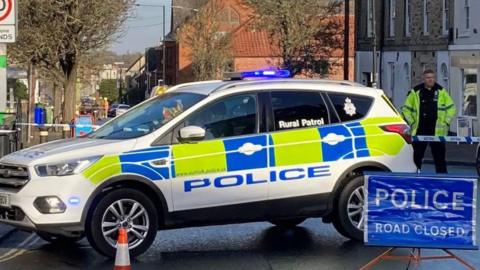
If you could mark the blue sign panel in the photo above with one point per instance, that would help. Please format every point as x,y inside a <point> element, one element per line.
<point>424,211</point>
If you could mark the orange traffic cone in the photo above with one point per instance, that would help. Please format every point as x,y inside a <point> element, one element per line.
<point>122,259</point>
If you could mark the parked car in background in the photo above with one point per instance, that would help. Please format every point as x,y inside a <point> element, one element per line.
<point>121,109</point>
<point>117,109</point>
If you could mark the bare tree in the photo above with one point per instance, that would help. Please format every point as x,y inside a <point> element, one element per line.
<point>306,32</point>
<point>55,35</point>
<point>210,47</point>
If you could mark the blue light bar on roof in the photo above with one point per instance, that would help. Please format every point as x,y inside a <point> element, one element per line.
<point>280,73</point>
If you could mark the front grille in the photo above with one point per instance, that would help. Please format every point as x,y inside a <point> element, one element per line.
<point>12,176</point>
<point>12,214</point>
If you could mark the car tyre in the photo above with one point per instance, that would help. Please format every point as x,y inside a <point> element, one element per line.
<point>60,240</point>
<point>287,223</point>
<point>348,218</point>
<point>139,217</point>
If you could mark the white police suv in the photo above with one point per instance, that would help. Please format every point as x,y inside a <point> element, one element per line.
<point>216,152</point>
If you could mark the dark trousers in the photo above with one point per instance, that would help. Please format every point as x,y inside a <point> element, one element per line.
<point>438,153</point>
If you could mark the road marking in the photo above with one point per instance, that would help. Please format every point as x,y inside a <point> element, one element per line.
<point>33,242</point>
<point>20,249</point>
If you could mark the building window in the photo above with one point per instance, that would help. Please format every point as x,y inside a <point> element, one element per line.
<point>407,18</point>
<point>391,87</point>
<point>369,18</point>
<point>406,71</point>
<point>392,17</point>
<point>444,74</point>
<point>229,16</point>
<point>469,106</point>
<point>467,14</point>
<point>446,22</point>
<point>425,17</point>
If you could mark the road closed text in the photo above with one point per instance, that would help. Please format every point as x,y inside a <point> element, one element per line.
<point>419,229</point>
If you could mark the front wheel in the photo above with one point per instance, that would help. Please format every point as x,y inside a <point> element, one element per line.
<point>349,217</point>
<point>127,208</point>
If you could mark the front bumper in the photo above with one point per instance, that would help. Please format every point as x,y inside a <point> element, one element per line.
<point>23,214</point>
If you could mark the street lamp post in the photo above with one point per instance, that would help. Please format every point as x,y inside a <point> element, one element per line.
<point>164,47</point>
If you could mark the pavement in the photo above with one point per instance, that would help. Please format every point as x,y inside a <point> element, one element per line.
<point>312,245</point>
<point>457,154</point>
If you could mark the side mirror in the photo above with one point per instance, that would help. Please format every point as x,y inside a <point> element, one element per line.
<point>192,134</point>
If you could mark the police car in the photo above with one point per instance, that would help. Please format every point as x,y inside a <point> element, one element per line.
<point>280,150</point>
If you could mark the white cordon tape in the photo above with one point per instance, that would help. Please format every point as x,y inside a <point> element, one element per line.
<point>446,139</point>
<point>56,125</point>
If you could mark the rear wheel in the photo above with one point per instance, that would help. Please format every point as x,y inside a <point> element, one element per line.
<point>348,218</point>
<point>127,208</point>
<point>59,239</point>
<point>287,223</point>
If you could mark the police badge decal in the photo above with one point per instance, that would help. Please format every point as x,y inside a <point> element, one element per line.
<point>349,107</point>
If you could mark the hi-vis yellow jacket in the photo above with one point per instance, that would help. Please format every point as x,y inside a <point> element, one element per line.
<point>445,110</point>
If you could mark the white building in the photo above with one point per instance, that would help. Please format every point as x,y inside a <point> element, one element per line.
<point>465,64</point>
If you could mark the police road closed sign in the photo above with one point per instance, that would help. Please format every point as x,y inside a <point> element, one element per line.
<point>423,211</point>
<point>7,21</point>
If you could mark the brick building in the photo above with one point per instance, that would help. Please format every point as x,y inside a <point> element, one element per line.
<point>412,35</point>
<point>251,49</point>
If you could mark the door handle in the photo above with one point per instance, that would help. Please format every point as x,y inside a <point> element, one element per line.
<point>333,139</point>
<point>249,148</point>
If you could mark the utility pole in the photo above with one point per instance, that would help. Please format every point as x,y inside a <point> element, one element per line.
<point>346,42</point>
<point>164,48</point>
<point>374,34</point>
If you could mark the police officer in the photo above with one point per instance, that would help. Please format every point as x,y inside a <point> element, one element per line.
<point>429,110</point>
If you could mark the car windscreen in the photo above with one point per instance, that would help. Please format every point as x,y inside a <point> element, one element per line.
<point>147,117</point>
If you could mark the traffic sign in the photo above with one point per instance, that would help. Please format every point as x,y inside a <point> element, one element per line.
<point>7,12</point>
<point>8,20</point>
<point>421,211</point>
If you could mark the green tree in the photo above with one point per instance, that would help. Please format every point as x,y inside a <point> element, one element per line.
<point>55,35</point>
<point>306,32</point>
<point>210,47</point>
<point>108,89</point>
<point>19,88</point>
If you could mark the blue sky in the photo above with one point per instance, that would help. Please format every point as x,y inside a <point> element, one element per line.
<point>145,27</point>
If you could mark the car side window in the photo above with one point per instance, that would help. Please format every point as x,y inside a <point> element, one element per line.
<point>350,107</point>
<point>231,116</point>
<point>297,109</point>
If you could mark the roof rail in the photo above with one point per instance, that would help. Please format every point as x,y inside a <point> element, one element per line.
<point>234,84</point>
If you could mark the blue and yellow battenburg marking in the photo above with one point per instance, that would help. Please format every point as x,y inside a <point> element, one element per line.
<point>283,148</point>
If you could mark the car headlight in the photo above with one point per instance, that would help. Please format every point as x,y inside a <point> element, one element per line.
<point>68,167</point>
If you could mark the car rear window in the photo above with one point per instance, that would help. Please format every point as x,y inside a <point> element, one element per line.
<point>350,107</point>
<point>297,109</point>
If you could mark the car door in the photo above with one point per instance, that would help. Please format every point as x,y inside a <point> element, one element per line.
<point>296,150</point>
<point>229,166</point>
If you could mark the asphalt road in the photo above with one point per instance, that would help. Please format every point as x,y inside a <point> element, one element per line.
<point>312,245</point>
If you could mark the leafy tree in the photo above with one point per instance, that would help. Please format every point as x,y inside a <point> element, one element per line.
<point>55,35</point>
<point>19,88</point>
<point>307,32</point>
<point>108,89</point>
<point>209,46</point>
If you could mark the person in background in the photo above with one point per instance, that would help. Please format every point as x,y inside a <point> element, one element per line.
<point>429,110</point>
